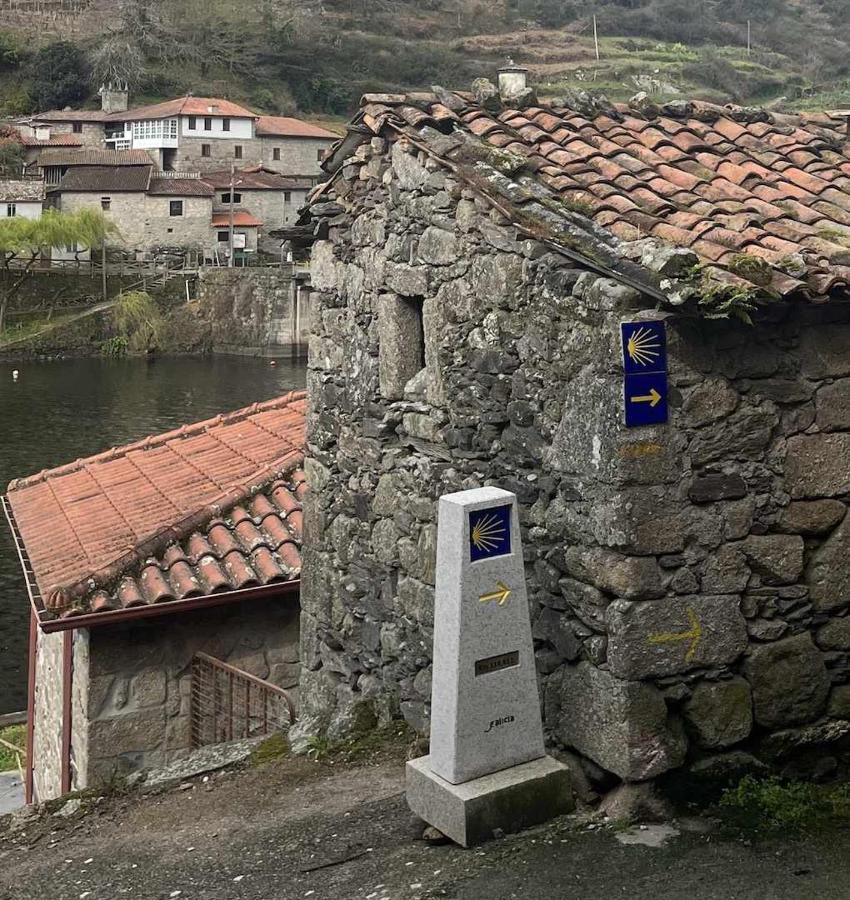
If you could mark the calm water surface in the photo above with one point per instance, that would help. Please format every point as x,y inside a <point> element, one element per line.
<point>60,411</point>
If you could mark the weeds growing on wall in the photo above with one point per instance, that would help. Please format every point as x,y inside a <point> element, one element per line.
<point>17,736</point>
<point>139,324</point>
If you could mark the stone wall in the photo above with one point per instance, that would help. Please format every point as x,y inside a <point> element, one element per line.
<point>686,582</point>
<point>47,734</point>
<point>144,221</point>
<point>140,678</point>
<point>298,156</point>
<point>258,311</point>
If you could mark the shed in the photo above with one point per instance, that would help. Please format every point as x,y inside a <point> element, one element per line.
<point>163,579</point>
<point>493,269</point>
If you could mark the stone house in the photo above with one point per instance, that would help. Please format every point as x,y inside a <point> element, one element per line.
<point>189,134</point>
<point>246,229</point>
<point>270,198</point>
<point>21,198</point>
<point>152,211</point>
<point>293,146</point>
<point>476,257</point>
<point>138,560</point>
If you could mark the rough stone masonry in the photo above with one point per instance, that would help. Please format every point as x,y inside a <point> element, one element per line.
<point>450,350</point>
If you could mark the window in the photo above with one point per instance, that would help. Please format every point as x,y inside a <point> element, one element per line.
<point>287,196</point>
<point>205,150</point>
<point>105,202</point>
<point>225,124</point>
<point>237,151</point>
<point>11,210</point>
<point>193,123</point>
<point>77,127</point>
<point>224,237</point>
<point>237,197</point>
<point>155,130</point>
<point>320,155</point>
<point>175,208</point>
<point>276,154</point>
<point>208,124</point>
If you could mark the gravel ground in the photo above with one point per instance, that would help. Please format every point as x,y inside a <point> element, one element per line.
<point>300,829</point>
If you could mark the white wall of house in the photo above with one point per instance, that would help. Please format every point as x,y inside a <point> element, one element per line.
<point>195,126</point>
<point>21,209</point>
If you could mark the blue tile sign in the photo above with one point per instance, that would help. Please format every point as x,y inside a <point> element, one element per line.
<point>645,368</point>
<point>646,399</point>
<point>644,347</point>
<point>489,532</point>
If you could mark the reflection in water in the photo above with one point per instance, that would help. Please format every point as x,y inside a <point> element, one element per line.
<point>56,412</point>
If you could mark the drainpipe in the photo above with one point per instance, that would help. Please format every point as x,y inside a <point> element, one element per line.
<point>230,262</point>
<point>67,683</point>
<point>33,650</point>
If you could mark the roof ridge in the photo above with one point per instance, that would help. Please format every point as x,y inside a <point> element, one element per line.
<point>150,441</point>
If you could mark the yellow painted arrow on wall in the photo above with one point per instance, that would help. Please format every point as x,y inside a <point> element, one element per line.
<point>653,398</point>
<point>500,595</point>
<point>694,636</point>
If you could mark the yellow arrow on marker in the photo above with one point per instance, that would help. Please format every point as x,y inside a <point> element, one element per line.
<point>694,636</point>
<point>653,398</point>
<point>500,595</point>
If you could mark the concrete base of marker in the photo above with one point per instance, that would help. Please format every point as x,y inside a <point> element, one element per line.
<point>509,801</point>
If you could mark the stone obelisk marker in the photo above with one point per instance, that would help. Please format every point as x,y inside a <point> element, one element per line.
<point>488,768</point>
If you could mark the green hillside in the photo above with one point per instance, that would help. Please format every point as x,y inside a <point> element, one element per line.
<point>319,56</point>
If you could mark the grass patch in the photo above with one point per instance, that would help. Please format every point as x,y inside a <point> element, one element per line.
<point>270,750</point>
<point>772,804</point>
<point>12,734</point>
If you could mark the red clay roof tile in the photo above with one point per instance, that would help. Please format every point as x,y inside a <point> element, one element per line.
<point>151,523</point>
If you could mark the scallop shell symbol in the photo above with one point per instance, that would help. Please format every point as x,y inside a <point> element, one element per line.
<point>487,533</point>
<point>643,346</point>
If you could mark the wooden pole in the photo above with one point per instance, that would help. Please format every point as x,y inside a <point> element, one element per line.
<point>749,37</point>
<point>103,275</point>
<point>595,37</point>
<point>230,262</point>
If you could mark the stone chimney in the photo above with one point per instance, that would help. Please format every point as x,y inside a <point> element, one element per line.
<point>513,82</point>
<point>115,97</point>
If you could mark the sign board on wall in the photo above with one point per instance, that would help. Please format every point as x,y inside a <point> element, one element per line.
<point>644,373</point>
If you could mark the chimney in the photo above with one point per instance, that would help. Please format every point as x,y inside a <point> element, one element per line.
<point>513,81</point>
<point>115,97</point>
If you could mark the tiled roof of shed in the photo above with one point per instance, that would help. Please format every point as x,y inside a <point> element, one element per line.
<point>94,157</point>
<point>71,115</point>
<point>285,126</point>
<point>24,190</point>
<point>207,509</point>
<point>180,187</point>
<point>241,217</point>
<point>257,178</point>
<point>55,140</point>
<point>726,182</point>
<point>118,179</point>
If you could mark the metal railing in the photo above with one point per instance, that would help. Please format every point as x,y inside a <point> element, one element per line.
<point>229,704</point>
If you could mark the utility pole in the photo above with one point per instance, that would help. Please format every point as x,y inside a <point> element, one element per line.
<point>749,37</point>
<point>230,262</point>
<point>103,266</point>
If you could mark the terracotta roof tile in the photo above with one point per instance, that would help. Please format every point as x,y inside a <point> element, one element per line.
<point>710,177</point>
<point>170,518</point>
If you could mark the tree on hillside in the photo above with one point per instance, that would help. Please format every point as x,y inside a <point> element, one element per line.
<point>11,152</point>
<point>59,75</point>
<point>118,60</point>
<point>22,242</point>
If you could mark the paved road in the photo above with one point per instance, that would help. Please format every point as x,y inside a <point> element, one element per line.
<point>11,792</point>
<point>329,835</point>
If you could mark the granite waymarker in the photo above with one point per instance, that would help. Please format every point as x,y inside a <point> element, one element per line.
<point>488,768</point>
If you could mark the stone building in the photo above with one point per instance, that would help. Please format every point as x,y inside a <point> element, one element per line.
<point>189,134</point>
<point>474,259</point>
<point>271,199</point>
<point>152,211</point>
<point>140,559</point>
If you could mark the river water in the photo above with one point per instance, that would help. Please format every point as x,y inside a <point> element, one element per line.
<point>59,411</point>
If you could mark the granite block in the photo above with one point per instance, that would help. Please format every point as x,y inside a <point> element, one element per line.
<point>485,707</point>
<point>506,801</point>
